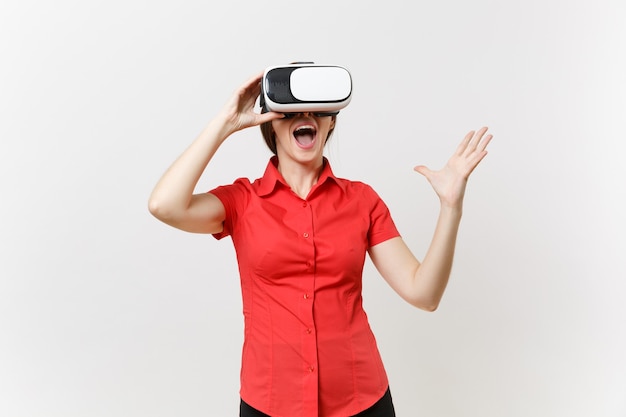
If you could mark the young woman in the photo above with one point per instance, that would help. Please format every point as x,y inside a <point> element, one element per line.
<point>301,235</point>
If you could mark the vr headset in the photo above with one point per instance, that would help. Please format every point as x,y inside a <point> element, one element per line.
<point>305,87</point>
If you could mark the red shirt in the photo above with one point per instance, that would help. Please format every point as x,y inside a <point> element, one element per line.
<point>308,348</point>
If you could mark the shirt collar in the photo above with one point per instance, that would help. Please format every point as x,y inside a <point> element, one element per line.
<point>272,177</point>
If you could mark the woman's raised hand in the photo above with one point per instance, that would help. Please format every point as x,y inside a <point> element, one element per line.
<point>239,112</point>
<point>449,182</point>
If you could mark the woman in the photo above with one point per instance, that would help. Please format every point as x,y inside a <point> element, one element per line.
<point>301,235</point>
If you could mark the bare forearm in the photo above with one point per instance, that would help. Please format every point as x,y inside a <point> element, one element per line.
<point>431,277</point>
<point>174,190</point>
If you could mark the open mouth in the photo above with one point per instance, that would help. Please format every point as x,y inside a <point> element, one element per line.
<point>305,135</point>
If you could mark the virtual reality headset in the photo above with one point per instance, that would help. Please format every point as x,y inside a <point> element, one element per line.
<point>305,87</point>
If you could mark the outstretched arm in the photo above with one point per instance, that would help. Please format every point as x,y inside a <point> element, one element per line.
<point>172,200</point>
<point>423,283</point>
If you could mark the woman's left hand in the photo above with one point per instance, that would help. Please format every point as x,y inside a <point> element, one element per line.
<point>449,182</point>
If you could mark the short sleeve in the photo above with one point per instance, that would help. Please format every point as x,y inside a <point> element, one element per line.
<point>382,227</point>
<point>234,198</point>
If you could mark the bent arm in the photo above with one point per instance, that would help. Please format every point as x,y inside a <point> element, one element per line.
<point>173,200</point>
<point>423,284</point>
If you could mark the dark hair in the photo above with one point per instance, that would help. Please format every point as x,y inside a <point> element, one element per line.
<point>270,137</point>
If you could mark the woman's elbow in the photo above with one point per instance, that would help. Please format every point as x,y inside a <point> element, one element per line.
<point>429,305</point>
<point>431,308</point>
<point>158,209</point>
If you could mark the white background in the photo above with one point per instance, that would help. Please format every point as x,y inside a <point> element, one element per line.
<point>104,311</point>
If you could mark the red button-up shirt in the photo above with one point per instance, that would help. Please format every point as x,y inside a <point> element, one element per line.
<point>308,348</point>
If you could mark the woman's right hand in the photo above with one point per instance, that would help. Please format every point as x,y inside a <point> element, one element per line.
<point>238,113</point>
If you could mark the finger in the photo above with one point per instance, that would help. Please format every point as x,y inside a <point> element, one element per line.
<point>251,88</point>
<point>268,117</point>
<point>475,161</point>
<point>422,170</point>
<point>255,79</point>
<point>464,143</point>
<point>483,144</point>
<point>251,83</point>
<point>477,139</point>
<point>248,99</point>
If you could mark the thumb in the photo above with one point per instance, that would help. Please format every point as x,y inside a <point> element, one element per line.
<point>422,170</point>
<point>268,117</point>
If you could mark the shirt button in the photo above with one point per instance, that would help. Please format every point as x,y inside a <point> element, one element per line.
<point>304,204</point>
<point>311,368</point>
<point>306,296</point>
<point>308,331</point>
<point>305,234</point>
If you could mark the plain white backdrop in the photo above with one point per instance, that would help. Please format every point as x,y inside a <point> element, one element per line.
<point>104,311</point>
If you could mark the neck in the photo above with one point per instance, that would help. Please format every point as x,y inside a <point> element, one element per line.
<point>300,177</point>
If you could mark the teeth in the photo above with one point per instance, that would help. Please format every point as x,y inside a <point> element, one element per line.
<point>304,129</point>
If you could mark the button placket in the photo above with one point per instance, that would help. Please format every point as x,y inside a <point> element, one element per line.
<point>309,264</point>
<point>309,339</point>
<point>305,205</point>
